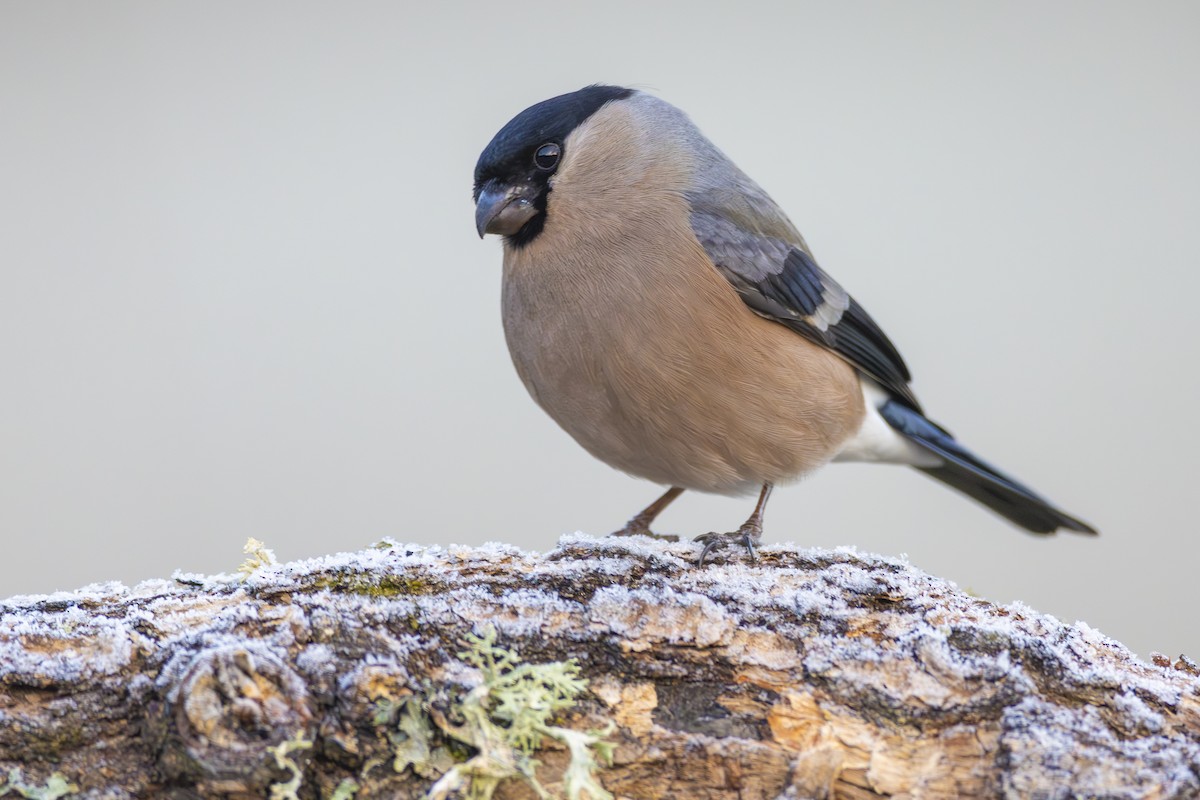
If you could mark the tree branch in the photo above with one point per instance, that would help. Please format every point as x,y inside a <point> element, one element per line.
<point>811,674</point>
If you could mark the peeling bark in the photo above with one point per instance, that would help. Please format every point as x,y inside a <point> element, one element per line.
<point>811,674</point>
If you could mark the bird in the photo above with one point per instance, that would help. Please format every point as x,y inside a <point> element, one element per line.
<point>666,313</point>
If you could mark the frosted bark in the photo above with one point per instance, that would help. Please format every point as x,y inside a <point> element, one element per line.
<point>811,674</point>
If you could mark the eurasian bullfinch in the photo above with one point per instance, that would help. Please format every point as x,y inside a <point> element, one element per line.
<point>665,312</point>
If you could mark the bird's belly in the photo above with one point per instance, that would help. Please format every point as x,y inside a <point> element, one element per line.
<point>717,402</point>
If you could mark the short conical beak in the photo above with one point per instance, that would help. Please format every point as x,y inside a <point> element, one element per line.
<point>504,209</point>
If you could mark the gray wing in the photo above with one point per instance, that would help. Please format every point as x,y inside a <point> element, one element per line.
<point>758,250</point>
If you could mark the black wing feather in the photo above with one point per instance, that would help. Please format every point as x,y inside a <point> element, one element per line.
<point>782,282</point>
<point>858,333</point>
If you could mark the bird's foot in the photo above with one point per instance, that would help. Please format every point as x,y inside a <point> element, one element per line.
<point>638,527</point>
<point>640,524</point>
<point>749,535</point>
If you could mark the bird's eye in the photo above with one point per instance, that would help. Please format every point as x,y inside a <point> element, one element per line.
<point>546,156</point>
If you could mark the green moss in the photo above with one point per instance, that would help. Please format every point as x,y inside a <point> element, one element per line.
<point>63,736</point>
<point>369,585</point>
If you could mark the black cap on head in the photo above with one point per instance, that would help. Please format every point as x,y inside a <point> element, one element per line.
<point>511,150</point>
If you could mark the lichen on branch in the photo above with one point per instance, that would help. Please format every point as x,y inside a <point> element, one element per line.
<point>503,720</point>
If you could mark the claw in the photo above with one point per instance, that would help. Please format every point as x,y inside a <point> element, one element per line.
<point>746,535</point>
<point>750,547</point>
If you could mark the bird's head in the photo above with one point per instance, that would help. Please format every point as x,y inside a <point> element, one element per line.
<point>514,174</point>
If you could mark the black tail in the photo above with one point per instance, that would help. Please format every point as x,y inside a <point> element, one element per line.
<point>977,479</point>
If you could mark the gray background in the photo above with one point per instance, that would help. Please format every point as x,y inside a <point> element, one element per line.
<point>241,295</point>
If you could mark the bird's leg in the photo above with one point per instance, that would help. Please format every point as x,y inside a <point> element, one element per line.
<point>640,524</point>
<point>749,534</point>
